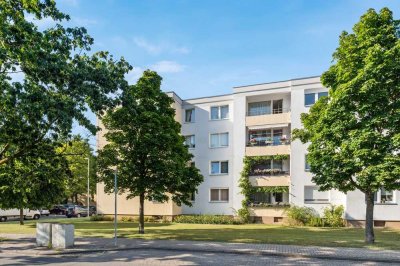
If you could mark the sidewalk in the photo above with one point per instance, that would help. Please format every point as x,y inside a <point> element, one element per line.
<point>25,244</point>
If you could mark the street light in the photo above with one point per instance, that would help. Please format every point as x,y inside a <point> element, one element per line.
<point>88,187</point>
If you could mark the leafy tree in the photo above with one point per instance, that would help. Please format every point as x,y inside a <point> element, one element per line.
<point>145,145</point>
<point>34,181</point>
<point>77,151</point>
<point>355,132</point>
<point>60,80</point>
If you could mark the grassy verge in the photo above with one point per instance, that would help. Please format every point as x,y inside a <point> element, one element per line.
<point>249,233</point>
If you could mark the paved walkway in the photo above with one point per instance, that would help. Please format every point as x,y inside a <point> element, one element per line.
<point>25,244</point>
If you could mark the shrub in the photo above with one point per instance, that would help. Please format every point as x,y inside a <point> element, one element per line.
<point>206,219</point>
<point>333,216</point>
<point>300,215</point>
<point>129,219</point>
<point>316,221</point>
<point>96,218</point>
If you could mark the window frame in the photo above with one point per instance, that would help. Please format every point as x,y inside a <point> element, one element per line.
<point>306,164</point>
<point>317,201</point>
<point>219,140</point>
<point>378,196</point>
<point>219,195</point>
<point>219,167</point>
<point>193,116</point>
<point>219,112</point>
<point>194,141</point>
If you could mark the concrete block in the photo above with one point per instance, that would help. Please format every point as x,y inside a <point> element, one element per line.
<point>63,235</point>
<point>43,234</point>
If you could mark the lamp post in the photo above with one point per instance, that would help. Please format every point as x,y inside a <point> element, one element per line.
<point>88,187</point>
<point>115,207</point>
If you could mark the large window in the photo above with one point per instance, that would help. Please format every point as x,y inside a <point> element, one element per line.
<point>220,112</point>
<point>219,195</point>
<point>189,115</point>
<point>384,196</point>
<point>259,108</point>
<point>219,140</point>
<point>219,167</point>
<point>268,167</point>
<point>313,195</point>
<point>190,141</point>
<point>267,137</point>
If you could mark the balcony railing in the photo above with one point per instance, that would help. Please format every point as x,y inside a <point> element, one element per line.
<point>268,112</point>
<point>274,141</point>
<point>268,172</point>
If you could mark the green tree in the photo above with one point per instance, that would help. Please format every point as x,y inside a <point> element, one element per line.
<point>77,152</point>
<point>354,133</point>
<point>34,181</point>
<point>145,145</point>
<point>60,80</point>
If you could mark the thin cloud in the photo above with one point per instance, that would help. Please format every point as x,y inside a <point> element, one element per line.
<point>168,67</point>
<point>156,49</point>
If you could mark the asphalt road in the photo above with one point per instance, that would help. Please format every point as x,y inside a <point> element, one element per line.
<point>161,257</point>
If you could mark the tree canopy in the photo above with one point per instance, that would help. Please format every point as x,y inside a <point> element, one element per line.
<point>59,78</point>
<point>354,134</point>
<point>145,145</point>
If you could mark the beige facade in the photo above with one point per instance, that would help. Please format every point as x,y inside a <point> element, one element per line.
<point>272,119</point>
<point>267,150</point>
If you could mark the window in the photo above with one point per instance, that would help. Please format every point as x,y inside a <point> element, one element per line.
<point>384,196</point>
<point>322,94</point>
<point>189,115</point>
<point>219,140</point>
<point>219,167</point>
<point>309,99</point>
<point>192,164</point>
<point>312,195</point>
<point>278,197</point>
<point>277,106</point>
<point>220,112</point>
<point>218,194</point>
<point>260,197</point>
<point>306,165</point>
<point>259,108</point>
<point>190,141</point>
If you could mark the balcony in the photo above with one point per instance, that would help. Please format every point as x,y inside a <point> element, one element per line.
<point>260,148</point>
<point>254,119</point>
<point>270,181</point>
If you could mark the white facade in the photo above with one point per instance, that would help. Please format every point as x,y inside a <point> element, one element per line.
<point>255,120</point>
<point>239,123</point>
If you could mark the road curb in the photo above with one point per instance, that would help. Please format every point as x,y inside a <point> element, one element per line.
<point>225,251</point>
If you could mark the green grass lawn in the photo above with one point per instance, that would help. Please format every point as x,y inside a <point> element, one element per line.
<point>249,233</point>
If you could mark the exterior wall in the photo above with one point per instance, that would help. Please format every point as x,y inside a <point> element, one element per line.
<point>203,154</point>
<point>292,92</point>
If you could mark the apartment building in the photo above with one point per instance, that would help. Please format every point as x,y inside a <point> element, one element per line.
<point>254,121</point>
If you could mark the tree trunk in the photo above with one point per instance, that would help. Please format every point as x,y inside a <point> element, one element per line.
<point>369,218</point>
<point>141,214</point>
<point>21,216</point>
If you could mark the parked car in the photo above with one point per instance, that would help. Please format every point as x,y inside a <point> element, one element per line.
<point>14,213</point>
<point>92,210</point>
<point>76,211</point>
<point>58,209</point>
<point>44,212</point>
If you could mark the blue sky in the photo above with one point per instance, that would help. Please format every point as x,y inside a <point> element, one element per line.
<point>203,48</point>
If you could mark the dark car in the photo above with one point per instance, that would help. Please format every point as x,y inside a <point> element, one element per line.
<point>92,210</point>
<point>58,209</point>
<point>76,211</point>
